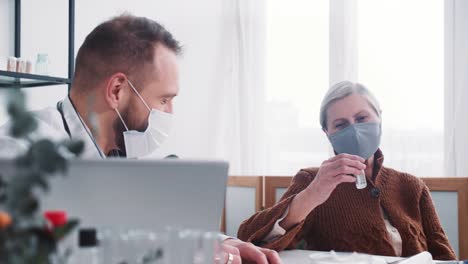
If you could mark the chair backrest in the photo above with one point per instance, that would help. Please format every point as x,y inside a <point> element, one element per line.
<point>275,187</point>
<point>244,197</point>
<point>450,197</point>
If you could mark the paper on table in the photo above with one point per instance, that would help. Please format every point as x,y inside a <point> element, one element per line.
<point>356,258</point>
<point>423,258</point>
<point>304,256</point>
<point>337,258</point>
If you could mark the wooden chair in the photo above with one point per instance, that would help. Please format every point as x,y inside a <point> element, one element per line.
<point>244,197</point>
<point>275,186</point>
<point>450,197</point>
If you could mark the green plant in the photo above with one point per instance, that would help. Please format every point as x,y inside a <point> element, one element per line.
<point>27,238</point>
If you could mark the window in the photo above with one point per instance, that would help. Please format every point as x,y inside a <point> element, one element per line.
<point>400,58</point>
<point>296,79</point>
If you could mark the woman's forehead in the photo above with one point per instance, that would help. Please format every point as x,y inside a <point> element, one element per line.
<point>348,107</point>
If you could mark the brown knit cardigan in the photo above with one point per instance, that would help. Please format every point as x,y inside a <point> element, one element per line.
<point>351,219</point>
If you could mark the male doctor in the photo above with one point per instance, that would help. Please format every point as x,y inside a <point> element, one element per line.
<point>125,80</point>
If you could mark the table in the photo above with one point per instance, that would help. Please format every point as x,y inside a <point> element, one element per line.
<point>302,257</point>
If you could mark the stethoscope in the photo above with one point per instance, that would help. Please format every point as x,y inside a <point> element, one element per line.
<point>67,129</point>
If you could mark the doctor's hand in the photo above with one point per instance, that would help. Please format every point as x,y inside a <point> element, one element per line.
<point>243,252</point>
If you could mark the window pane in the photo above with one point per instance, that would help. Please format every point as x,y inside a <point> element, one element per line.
<point>401,59</point>
<point>296,80</point>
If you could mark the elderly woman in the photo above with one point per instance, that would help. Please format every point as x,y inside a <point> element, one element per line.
<point>325,209</point>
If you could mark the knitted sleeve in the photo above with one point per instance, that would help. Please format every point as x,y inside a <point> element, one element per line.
<point>257,227</point>
<point>437,241</point>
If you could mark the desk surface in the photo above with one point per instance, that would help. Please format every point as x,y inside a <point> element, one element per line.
<point>302,256</point>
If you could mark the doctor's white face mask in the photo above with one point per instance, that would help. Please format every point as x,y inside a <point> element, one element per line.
<point>139,144</point>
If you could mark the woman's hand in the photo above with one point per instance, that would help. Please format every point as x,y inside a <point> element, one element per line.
<point>331,173</point>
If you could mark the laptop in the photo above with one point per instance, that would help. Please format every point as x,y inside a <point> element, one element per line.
<point>147,194</point>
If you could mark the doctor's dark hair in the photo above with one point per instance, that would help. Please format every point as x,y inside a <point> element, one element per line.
<point>124,44</point>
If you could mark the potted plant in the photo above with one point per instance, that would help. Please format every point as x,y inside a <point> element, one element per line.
<point>25,235</point>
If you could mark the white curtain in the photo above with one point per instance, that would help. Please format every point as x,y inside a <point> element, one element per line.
<point>456,85</point>
<point>343,41</point>
<point>343,44</point>
<point>239,100</point>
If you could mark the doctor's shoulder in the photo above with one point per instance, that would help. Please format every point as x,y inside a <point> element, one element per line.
<point>10,147</point>
<point>49,126</point>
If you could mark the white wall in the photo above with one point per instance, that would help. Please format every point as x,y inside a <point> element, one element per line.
<point>6,29</point>
<point>196,24</point>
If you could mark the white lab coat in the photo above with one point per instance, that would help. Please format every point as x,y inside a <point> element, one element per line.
<point>51,126</point>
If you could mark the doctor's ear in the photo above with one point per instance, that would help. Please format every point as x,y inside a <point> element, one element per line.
<point>115,89</point>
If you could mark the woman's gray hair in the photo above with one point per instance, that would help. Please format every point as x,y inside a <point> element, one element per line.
<point>342,90</point>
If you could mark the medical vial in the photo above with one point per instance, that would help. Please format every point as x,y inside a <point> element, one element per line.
<point>42,64</point>
<point>11,64</point>
<point>361,181</point>
<point>89,251</point>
